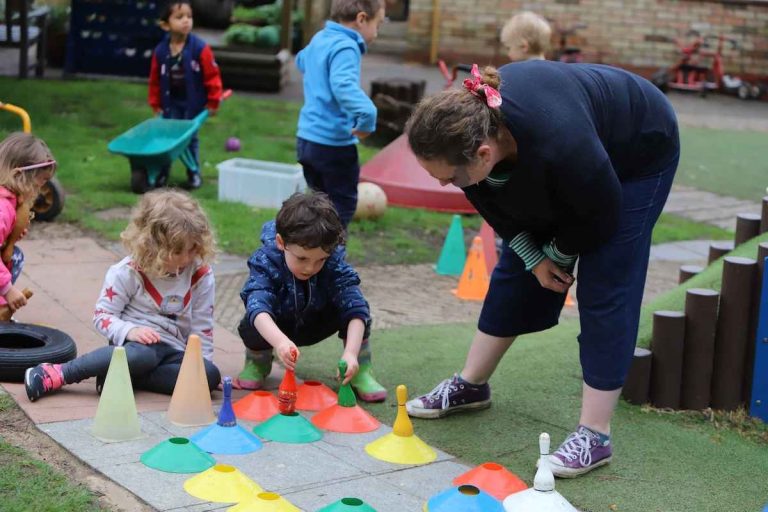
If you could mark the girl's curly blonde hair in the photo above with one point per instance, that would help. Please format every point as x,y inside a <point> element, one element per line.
<point>19,150</point>
<point>167,222</point>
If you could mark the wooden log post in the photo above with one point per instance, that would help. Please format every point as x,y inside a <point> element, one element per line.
<point>764,216</point>
<point>732,332</point>
<point>699,347</point>
<point>637,386</point>
<point>719,249</point>
<point>667,366</point>
<point>688,271</point>
<point>747,227</point>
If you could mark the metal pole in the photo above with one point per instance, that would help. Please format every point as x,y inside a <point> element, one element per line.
<point>758,405</point>
<point>688,271</point>
<point>732,331</point>
<point>747,227</point>
<point>699,347</point>
<point>667,365</point>
<point>718,249</point>
<point>637,384</point>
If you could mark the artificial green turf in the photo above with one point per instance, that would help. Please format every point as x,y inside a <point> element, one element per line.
<point>663,462</point>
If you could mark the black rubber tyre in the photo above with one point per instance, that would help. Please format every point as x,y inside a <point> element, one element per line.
<point>26,345</point>
<point>139,183</point>
<point>50,201</point>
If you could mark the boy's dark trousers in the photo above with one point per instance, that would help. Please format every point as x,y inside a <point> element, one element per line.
<point>334,170</point>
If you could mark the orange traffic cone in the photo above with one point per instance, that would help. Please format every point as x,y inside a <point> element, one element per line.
<point>489,246</point>
<point>569,299</point>
<point>474,281</point>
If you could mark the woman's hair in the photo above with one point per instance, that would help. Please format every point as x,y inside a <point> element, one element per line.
<point>452,124</point>
<point>310,220</point>
<point>167,8</point>
<point>529,27</point>
<point>164,223</point>
<point>19,150</point>
<point>347,10</point>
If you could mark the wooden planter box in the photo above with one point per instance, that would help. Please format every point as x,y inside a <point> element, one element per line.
<point>253,69</point>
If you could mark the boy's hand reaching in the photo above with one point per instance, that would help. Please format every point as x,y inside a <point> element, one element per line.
<point>284,353</point>
<point>352,367</point>
<point>143,335</point>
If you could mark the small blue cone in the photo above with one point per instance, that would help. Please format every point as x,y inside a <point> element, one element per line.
<point>466,498</point>
<point>226,437</point>
<point>454,253</point>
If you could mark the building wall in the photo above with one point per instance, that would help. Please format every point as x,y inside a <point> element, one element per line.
<point>635,34</point>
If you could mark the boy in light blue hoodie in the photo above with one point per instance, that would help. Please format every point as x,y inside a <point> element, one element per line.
<point>337,112</point>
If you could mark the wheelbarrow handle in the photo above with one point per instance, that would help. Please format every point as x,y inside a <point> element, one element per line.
<point>226,94</point>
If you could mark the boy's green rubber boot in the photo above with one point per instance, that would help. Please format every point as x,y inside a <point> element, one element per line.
<point>366,386</point>
<point>258,365</point>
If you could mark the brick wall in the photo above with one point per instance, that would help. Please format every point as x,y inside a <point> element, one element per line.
<point>635,34</point>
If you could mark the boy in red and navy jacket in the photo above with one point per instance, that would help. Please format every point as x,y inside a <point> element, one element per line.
<point>184,78</point>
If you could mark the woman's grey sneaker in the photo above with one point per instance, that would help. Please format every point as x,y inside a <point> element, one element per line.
<point>451,395</point>
<point>580,453</point>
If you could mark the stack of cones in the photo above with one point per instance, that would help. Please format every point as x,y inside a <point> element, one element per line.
<point>474,281</point>
<point>454,253</point>
<point>191,400</point>
<point>116,416</point>
<point>226,437</point>
<point>492,478</point>
<point>401,446</point>
<point>177,455</point>
<point>265,502</point>
<point>345,416</point>
<point>466,498</point>
<point>222,484</point>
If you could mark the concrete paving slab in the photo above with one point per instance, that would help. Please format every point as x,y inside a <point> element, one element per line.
<point>689,251</point>
<point>426,481</point>
<point>382,496</point>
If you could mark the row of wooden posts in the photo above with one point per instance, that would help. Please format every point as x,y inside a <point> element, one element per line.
<point>703,357</point>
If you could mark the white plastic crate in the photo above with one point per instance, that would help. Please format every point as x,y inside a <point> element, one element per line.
<point>259,183</point>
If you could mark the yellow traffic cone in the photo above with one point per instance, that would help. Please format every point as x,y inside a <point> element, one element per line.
<point>191,401</point>
<point>401,446</point>
<point>116,417</point>
<point>222,484</point>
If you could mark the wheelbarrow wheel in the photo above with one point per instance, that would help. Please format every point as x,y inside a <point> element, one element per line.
<point>50,201</point>
<point>139,183</point>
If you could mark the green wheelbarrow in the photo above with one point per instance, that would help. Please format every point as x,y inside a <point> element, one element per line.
<point>152,145</point>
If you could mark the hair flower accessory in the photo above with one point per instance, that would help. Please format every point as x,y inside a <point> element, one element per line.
<point>475,85</point>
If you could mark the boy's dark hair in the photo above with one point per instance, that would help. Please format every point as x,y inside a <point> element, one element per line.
<point>347,10</point>
<point>167,8</point>
<point>310,220</point>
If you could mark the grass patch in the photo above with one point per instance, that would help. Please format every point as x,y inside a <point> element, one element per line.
<point>725,162</point>
<point>673,228</point>
<point>79,118</point>
<point>663,462</point>
<point>27,484</point>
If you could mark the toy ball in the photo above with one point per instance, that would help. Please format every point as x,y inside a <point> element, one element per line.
<point>233,144</point>
<point>371,201</point>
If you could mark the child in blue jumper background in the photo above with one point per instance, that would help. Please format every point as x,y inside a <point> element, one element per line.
<point>184,78</point>
<point>301,291</point>
<point>337,112</point>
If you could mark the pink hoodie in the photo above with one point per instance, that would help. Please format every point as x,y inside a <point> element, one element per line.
<point>7,221</point>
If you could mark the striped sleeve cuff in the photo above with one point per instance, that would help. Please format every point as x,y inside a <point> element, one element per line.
<point>562,260</point>
<point>525,246</point>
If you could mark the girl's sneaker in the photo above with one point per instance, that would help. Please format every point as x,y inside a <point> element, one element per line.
<point>580,453</point>
<point>366,386</point>
<point>42,379</point>
<point>451,395</point>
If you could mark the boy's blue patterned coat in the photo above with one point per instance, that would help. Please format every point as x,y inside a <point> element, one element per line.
<point>271,287</point>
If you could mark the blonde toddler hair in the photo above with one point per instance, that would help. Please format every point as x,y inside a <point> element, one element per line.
<point>530,28</point>
<point>167,222</point>
<point>18,150</point>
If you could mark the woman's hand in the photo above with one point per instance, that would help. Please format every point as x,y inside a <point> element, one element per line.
<point>284,354</point>
<point>552,277</point>
<point>143,335</point>
<point>352,367</point>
